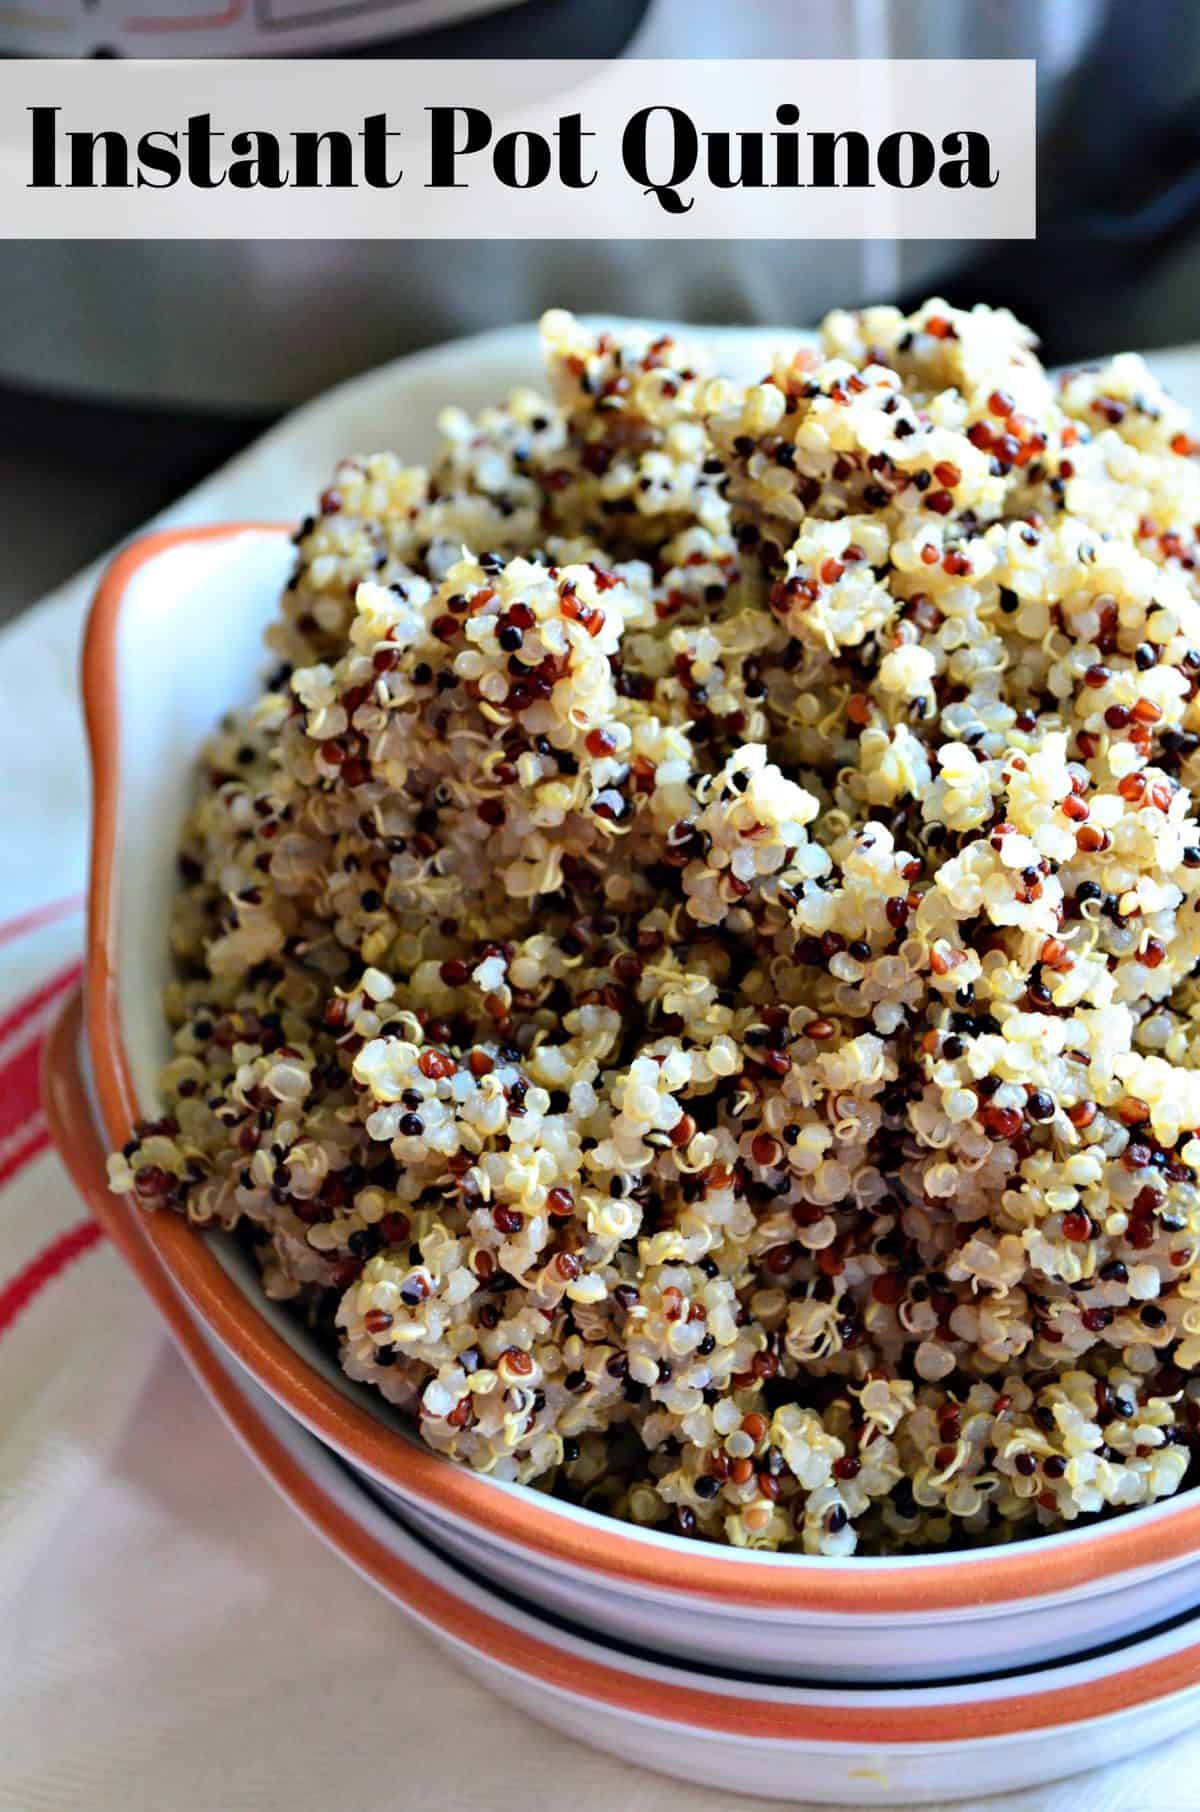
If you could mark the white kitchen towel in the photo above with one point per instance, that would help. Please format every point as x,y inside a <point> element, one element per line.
<point>172,1639</point>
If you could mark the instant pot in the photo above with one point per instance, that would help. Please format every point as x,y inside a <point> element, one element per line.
<point>249,328</point>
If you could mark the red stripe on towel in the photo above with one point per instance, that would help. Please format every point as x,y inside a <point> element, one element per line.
<point>42,997</point>
<point>32,1278</point>
<point>25,922</point>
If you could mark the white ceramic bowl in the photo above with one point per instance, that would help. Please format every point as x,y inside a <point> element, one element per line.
<point>906,1745</point>
<point>174,641</point>
<point>848,1745</point>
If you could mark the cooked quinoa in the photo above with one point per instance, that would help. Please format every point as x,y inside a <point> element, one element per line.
<point>687,971</point>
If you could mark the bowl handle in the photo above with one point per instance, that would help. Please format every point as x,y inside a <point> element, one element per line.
<point>73,1131</point>
<point>68,1111</point>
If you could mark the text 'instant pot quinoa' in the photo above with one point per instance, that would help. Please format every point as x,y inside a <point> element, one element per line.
<point>687,972</point>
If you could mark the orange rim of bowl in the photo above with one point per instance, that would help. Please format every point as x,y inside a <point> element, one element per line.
<point>718,1712</point>
<point>599,1546</point>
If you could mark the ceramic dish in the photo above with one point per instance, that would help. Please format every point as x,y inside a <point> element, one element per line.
<point>901,1745</point>
<point>173,641</point>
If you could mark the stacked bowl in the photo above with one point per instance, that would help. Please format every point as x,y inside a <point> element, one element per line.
<point>886,1680</point>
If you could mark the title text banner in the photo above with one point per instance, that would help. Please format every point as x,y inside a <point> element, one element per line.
<point>517,150</point>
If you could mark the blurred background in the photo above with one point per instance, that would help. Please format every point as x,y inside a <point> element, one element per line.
<point>129,370</point>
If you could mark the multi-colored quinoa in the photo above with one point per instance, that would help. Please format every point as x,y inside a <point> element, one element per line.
<point>689,965</point>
